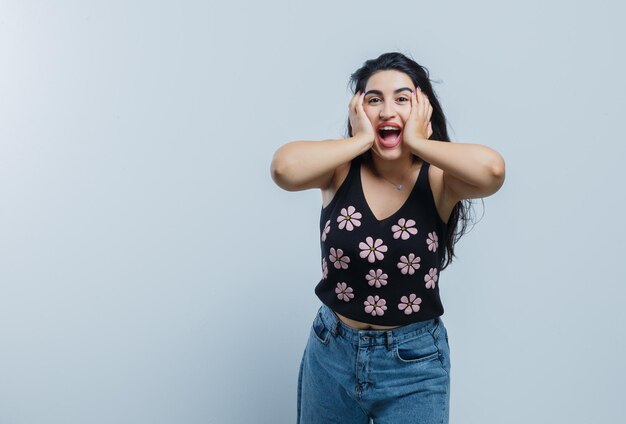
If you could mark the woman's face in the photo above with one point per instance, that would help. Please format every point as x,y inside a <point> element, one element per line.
<point>387,103</point>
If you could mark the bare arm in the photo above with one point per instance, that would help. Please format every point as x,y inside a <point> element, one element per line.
<point>469,170</point>
<point>302,165</point>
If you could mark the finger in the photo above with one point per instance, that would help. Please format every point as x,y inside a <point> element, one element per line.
<point>360,103</point>
<point>423,102</point>
<point>418,104</point>
<point>353,101</point>
<point>413,104</point>
<point>420,98</point>
<point>419,109</point>
<point>429,107</point>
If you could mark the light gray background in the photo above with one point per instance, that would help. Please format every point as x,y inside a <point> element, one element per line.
<point>151,272</point>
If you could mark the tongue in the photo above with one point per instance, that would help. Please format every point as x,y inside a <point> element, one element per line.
<point>390,139</point>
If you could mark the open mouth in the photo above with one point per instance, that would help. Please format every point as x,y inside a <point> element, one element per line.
<point>389,137</point>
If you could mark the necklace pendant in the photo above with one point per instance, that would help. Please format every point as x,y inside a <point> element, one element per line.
<point>399,186</point>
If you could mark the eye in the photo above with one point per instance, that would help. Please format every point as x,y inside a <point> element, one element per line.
<point>403,99</point>
<point>371,100</point>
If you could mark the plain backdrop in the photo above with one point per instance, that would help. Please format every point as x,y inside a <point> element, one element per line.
<point>152,272</point>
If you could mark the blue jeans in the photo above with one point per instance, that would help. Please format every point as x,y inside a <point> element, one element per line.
<point>392,376</point>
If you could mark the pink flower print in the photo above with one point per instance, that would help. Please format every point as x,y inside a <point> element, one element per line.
<point>376,278</point>
<point>372,249</point>
<point>349,218</point>
<point>410,304</point>
<point>432,241</point>
<point>344,292</point>
<point>431,278</point>
<point>324,268</point>
<point>410,264</point>
<point>404,229</point>
<point>326,230</point>
<point>337,258</point>
<point>374,305</point>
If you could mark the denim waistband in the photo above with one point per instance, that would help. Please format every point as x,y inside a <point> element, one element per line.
<point>377,337</point>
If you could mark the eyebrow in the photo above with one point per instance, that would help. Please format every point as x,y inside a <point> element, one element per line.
<point>380,93</point>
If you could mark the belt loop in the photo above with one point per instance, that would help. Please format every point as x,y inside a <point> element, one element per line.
<point>389,340</point>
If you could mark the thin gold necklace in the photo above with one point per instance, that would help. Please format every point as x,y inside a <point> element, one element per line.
<point>397,186</point>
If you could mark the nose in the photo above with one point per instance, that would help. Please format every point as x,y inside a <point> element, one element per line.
<point>387,112</point>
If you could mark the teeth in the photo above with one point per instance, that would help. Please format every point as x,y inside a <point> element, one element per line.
<point>390,128</point>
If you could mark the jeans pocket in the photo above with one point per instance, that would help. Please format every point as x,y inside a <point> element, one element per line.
<point>319,329</point>
<point>419,349</point>
<point>444,349</point>
<point>443,330</point>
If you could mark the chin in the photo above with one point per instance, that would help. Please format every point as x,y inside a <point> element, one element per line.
<point>389,154</point>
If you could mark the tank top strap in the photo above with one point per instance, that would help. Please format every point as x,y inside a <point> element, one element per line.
<point>353,173</point>
<point>422,178</point>
<point>355,167</point>
<point>346,186</point>
<point>423,186</point>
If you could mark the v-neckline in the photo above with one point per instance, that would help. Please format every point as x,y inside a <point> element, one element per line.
<point>404,204</point>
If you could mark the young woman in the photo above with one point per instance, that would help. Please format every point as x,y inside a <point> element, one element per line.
<point>393,195</point>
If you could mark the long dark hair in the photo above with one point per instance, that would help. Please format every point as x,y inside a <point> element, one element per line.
<point>461,212</point>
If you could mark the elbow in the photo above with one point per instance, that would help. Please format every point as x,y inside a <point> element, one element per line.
<point>276,168</point>
<point>498,170</point>
<point>278,172</point>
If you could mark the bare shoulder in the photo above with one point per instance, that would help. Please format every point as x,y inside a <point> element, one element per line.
<point>445,200</point>
<point>341,172</point>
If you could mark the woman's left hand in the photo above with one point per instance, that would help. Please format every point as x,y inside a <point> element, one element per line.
<point>418,126</point>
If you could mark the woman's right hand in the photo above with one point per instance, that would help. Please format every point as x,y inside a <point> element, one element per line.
<point>360,123</point>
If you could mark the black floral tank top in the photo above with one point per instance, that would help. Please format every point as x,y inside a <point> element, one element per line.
<point>383,272</point>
